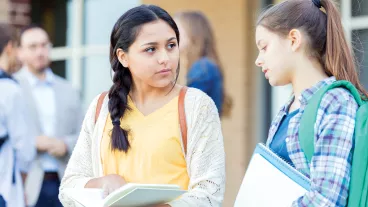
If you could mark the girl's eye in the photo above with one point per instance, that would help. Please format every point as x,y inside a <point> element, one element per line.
<point>264,48</point>
<point>150,49</point>
<point>171,45</point>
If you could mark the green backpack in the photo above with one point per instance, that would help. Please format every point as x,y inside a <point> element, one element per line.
<point>358,190</point>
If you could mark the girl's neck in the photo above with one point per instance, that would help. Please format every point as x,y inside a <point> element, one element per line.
<point>307,75</point>
<point>141,94</point>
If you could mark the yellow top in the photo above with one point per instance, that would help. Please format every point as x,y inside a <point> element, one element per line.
<point>156,155</point>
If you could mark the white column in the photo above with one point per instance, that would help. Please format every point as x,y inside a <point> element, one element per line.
<point>346,18</point>
<point>77,41</point>
<point>280,95</point>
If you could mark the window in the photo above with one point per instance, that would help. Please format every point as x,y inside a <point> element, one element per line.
<point>51,15</point>
<point>81,39</point>
<point>355,20</point>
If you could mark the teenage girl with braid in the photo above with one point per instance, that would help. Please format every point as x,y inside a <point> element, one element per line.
<point>302,42</point>
<point>137,136</point>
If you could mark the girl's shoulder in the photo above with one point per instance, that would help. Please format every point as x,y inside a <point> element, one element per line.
<point>196,99</point>
<point>337,98</point>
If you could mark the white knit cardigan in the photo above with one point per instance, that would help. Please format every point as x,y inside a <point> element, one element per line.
<point>205,153</point>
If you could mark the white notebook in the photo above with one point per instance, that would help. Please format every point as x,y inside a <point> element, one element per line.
<point>270,181</point>
<point>129,195</point>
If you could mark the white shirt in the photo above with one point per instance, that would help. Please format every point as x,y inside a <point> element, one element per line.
<point>20,145</point>
<point>44,97</point>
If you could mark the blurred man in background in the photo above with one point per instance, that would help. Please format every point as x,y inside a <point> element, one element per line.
<point>55,113</point>
<point>17,148</point>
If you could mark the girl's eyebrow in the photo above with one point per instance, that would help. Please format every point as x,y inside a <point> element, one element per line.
<point>155,43</point>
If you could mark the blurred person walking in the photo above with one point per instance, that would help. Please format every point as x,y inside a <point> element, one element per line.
<point>200,57</point>
<point>17,148</point>
<point>55,113</point>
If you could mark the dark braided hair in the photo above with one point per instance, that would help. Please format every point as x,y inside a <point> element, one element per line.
<point>123,35</point>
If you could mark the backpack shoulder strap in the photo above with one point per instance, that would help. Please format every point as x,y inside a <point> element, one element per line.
<point>182,118</point>
<point>306,128</point>
<point>99,105</point>
<point>181,109</point>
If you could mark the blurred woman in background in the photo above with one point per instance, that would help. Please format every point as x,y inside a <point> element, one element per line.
<point>199,54</point>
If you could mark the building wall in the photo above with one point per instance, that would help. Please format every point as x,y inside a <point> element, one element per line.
<point>4,10</point>
<point>231,23</point>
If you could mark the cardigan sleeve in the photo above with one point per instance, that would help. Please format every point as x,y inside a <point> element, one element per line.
<point>79,169</point>
<point>205,156</point>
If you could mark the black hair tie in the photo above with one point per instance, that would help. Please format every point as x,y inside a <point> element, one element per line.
<point>317,3</point>
<point>116,122</point>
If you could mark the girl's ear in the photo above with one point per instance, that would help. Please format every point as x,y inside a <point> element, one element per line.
<point>296,39</point>
<point>122,57</point>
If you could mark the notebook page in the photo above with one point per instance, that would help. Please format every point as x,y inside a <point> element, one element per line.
<point>265,185</point>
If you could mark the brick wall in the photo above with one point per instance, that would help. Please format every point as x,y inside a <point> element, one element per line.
<point>19,12</point>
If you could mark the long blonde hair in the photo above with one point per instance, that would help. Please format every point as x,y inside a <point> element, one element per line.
<point>202,44</point>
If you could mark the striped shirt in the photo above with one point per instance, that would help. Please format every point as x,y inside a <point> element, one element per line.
<point>330,166</point>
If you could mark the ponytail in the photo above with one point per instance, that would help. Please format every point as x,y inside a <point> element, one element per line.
<point>339,60</point>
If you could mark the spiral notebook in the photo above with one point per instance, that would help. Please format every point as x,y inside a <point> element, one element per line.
<point>270,181</point>
<point>129,195</point>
